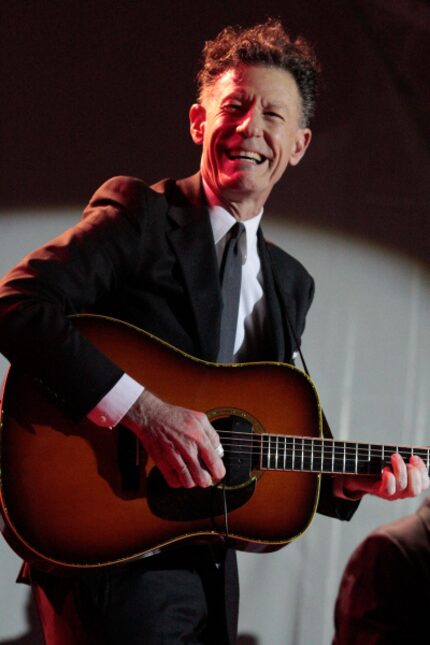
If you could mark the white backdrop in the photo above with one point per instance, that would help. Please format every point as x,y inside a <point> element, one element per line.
<point>367,345</point>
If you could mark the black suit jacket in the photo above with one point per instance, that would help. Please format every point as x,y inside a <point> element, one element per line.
<point>147,256</point>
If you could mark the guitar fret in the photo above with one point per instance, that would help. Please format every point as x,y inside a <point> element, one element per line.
<point>316,455</point>
<point>272,452</point>
<point>285,453</point>
<point>307,454</point>
<point>290,463</point>
<point>261,451</point>
<point>351,457</point>
<point>375,463</point>
<point>338,463</point>
<point>363,459</point>
<point>328,456</point>
<point>406,453</point>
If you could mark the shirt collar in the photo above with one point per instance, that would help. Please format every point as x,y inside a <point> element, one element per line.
<point>222,221</point>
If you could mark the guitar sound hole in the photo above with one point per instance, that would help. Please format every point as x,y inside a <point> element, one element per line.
<point>237,438</point>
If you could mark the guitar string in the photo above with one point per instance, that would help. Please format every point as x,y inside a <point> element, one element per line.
<point>310,442</point>
<point>243,449</point>
<point>295,454</point>
<point>311,446</point>
<point>338,453</point>
<point>337,443</point>
<point>291,460</point>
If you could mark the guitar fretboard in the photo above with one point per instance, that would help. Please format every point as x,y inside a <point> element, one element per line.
<point>279,452</point>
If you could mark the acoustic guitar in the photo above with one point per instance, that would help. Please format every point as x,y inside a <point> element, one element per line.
<point>74,496</point>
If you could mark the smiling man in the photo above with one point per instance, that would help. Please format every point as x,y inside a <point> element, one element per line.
<point>249,124</point>
<point>158,258</point>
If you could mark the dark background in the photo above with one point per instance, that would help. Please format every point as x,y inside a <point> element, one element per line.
<point>93,89</point>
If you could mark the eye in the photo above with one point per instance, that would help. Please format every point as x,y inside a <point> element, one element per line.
<point>274,115</point>
<point>232,107</point>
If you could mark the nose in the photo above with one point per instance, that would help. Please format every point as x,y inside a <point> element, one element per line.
<point>250,125</point>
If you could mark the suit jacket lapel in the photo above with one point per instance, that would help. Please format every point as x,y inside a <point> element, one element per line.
<point>192,241</point>
<point>278,302</point>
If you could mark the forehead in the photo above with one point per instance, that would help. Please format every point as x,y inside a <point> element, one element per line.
<point>269,84</point>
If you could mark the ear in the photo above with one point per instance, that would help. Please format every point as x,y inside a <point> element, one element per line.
<point>301,144</point>
<point>197,122</point>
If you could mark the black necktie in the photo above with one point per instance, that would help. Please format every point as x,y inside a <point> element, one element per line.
<point>231,279</point>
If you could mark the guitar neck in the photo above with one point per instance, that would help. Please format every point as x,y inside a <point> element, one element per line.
<point>288,453</point>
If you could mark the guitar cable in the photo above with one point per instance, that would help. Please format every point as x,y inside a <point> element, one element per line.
<point>225,508</point>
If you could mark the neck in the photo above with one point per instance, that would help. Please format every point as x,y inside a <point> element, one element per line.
<point>242,208</point>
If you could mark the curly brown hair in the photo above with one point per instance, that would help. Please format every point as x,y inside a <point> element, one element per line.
<point>263,44</point>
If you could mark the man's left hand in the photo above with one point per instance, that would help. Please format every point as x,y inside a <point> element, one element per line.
<point>399,481</point>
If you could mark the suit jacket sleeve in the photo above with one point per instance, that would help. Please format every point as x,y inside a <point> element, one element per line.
<point>295,288</point>
<point>383,596</point>
<point>67,276</point>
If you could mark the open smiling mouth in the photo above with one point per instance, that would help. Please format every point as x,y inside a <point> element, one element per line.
<point>246,155</point>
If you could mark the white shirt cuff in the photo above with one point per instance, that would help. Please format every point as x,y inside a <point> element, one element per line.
<point>116,403</point>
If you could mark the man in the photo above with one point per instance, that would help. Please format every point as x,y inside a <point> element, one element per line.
<point>153,258</point>
<point>375,604</point>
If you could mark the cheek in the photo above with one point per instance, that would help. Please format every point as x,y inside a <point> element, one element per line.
<point>284,147</point>
<point>280,152</point>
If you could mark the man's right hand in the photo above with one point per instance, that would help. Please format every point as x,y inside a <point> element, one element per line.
<point>182,443</point>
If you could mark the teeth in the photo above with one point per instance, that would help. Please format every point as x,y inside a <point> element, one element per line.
<point>246,154</point>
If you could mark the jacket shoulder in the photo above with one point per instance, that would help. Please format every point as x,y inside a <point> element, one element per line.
<point>128,192</point>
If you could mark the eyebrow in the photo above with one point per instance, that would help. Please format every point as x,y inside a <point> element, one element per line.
<point>237,95</point>
<point>233,95</point>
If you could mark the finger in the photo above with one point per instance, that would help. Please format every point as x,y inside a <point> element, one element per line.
<point>400,471</point>
<point>211,450</point>
<point>414,486</point>
<point>219,451</point>
<point>199,474</point>
<point>186,480</point>
<point>192,443</point>
<point>171,464</point>
<point>387,487</point>
<point>213,462</point>
<point>419,463</point>
<point>210,431</point>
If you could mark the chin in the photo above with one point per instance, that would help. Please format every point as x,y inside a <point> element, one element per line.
<point>239,180</point>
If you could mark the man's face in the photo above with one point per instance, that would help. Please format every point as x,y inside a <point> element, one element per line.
<point>249,127</point>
